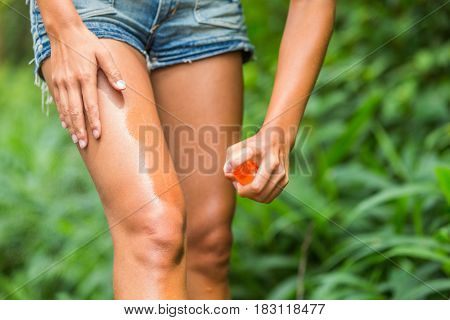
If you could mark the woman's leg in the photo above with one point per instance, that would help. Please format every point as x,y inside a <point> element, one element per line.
<point>137,184</point>
<point>207,96</point>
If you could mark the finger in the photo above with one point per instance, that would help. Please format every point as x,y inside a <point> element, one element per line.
<point>64,103</point>
<point>77,115</point>
<point>249,190</point>
<point>282,183</point>
<point>246,192</point>
<point>277,190</point>
<point>274,193</point>
<point>274,185</point>
<point>90,102</point>
<point>55,94</point>
<point>279,180</point>
<point>264,174</point>
<point>106,63</point>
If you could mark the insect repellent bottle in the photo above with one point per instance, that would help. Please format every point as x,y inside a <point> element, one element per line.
<point>246,172</point>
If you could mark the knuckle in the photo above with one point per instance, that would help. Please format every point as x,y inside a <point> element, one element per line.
<point>63,109</point>
<point>114,73</point>
<point>103,52</point>
<point>84,76</point>
<point>65,112</point>
<point>55,81</point>
<point>256,188</point>
<point>259,199</point>
<point>274,164</point>
<point>91,109</point>
<point>74,113</point>
<point>70,81</point>
<point>249,151</point>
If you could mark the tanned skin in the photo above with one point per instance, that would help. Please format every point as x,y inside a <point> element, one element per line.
<point>171,229</point>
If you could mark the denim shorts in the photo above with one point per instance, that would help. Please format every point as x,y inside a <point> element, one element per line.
<point>166,32</point>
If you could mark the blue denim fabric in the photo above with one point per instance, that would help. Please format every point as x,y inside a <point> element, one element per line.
<point>167,32</point>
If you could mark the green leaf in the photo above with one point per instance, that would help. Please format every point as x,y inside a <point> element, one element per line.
<point>443,176</point>
<point>388,195</point>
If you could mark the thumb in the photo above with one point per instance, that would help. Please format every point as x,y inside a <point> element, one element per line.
<point>106,63</point>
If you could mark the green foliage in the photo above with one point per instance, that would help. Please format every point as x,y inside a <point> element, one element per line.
<point>371,220</point>
<point>379,157</point>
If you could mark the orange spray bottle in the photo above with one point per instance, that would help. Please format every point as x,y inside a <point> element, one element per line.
<point>245,172</point>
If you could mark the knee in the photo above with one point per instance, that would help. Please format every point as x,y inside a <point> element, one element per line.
<point>209,241</point>
<point>153,236</point>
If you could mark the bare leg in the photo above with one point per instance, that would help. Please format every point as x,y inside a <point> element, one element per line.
<point>144,208</point>
<point>206,95</point>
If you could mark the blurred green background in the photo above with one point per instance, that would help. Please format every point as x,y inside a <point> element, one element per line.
<point>369,221</point>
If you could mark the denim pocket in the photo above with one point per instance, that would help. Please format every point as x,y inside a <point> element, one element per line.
<point>85,8</point>
<point>219,13</point>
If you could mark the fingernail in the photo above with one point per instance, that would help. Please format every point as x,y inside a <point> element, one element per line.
<point>235,184</point>
<point>96,133</point>
<point>82,144</point>
<point>63,124</point>
<point>121,84</point>
<point>227,168</point>
<point>74,138</point>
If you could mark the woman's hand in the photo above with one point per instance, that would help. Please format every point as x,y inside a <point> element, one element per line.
<point>77,54</point>
<point>271,153</point>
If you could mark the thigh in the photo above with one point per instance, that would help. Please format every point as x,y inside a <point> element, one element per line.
<point>202,114</point>
<point>130,163</point>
